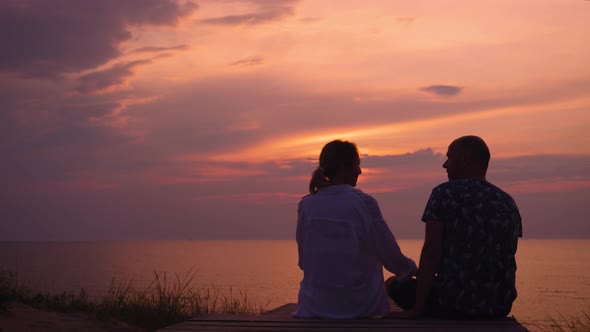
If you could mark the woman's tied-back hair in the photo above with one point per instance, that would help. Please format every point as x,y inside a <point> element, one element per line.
<point>334,155</point>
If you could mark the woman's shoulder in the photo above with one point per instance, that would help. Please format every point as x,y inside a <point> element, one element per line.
<point>307,198</point>
<point>364,197</point>
<point>337,192</point>
<point>369,203</point>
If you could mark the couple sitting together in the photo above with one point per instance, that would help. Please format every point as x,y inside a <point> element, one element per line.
<point>467,265</point>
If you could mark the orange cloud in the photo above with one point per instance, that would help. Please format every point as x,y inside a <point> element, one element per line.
<point>437,131</point>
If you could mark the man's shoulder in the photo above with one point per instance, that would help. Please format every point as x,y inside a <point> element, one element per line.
<point>468,184</point>
<point>469,187</point>
<point>447,187</point>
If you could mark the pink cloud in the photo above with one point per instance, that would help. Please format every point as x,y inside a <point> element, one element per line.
<point>152,49</point>
<point>267,11</point>
<point>116,75</point>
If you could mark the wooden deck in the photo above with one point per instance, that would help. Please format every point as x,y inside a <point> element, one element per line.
<point>279,320</point>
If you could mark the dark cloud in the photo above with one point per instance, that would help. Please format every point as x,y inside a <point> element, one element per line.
<point>405,20</point>
<point>309,20</point>
<point>160,49</point>
<point>201,112</point>
<point>443,90</point>
<point>554,215</point>
<point>507,169</point>
<point>265,3</point>
<point>47,135</point>
<point>272,2</point>
<point>251,61</point>
<point>139,207</point>
<point>263,15</point>
<point>65,176</point>
<point>539,167</point>
<point>412,159</point>
<point>47,39</point>
<point>104,79</point>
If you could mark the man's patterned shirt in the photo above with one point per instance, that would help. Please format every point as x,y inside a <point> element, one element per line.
<point>481,229</point>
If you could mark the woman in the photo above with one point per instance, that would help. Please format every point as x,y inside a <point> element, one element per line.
<point>344,243</point>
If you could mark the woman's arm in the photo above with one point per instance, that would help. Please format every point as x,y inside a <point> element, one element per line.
<point>386,246</point>
<point>300,235</point>
<point>429,264</point>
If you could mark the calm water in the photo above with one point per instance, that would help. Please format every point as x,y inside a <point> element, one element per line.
<point>553,275</point>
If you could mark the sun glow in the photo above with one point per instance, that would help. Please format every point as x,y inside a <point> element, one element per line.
<point>402,137</point>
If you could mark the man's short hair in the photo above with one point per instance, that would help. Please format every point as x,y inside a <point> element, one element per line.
<point>475,149</point>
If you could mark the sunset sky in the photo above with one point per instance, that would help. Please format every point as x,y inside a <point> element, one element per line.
<point>163,119</point>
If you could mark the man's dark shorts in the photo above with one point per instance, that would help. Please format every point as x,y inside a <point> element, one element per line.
<point>404,296</point>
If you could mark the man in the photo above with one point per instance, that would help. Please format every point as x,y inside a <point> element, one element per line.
<point>467,265</point>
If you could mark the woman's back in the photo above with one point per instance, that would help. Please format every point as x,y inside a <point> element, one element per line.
<point>338,242</point>
<point>333,239</point>
<point>343,242</point>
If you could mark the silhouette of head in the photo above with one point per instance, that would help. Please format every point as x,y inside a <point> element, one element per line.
<point>339,164</point>
<point>467,157</point>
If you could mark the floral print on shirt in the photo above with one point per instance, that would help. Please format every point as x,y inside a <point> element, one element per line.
<point>482,225</point>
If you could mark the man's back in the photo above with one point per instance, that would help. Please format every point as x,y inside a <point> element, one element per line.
<point>482,224</point>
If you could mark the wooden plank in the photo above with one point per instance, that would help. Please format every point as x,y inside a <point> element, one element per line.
<point>382,324</point>
<point>280,320</point>
<point>388,329</point>
<point>285,310</point>
<point>364,322</point>
<point>393,327</point>
<point>344,328</point>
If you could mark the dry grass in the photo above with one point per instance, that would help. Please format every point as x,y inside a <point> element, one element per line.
<point>163,302</point>
<point>571,323</point>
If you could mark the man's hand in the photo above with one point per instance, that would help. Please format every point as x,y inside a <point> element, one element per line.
<point>407,314</point>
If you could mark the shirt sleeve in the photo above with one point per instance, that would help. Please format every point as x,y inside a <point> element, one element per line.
<point>385,244</point>
<point>300,234</point>
<point>517,216</point>
<point>435,205</point>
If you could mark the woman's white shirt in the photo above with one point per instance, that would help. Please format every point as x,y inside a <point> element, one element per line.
<point>343,245</point>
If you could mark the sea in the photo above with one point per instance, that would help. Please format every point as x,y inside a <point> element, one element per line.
<point>553,277</point>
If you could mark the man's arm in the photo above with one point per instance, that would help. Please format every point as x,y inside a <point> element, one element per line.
<point>429,263</point>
